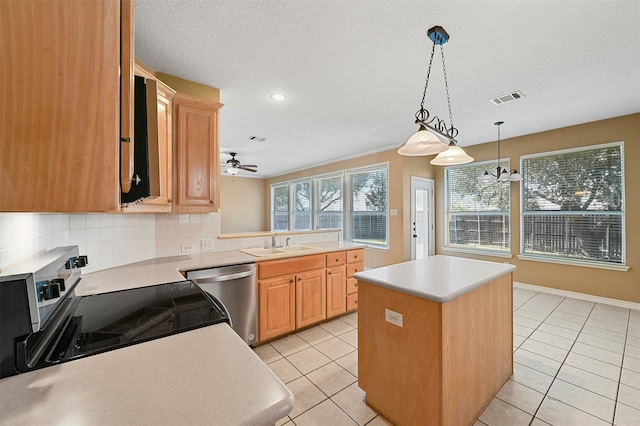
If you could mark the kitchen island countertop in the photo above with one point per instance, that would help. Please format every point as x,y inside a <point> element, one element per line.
<point>437,278</point>
<point>203,376</point>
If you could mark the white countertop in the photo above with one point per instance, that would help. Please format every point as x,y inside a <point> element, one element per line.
<point>167,269</point>
<point>438,278</point>
<point>204,376</point>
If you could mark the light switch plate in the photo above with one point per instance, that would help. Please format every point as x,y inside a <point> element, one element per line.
<point>393,317</point>
<point>393,212</point>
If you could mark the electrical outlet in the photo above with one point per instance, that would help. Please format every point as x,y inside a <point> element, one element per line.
<point>393,317</point>
<point>207,245</point>
<point>186,248</point>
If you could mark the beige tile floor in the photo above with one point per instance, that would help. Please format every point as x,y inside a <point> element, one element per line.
<point>575,363</point>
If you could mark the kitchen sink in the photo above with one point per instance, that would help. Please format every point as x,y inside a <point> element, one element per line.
<point>270,251</point>
<point>296,248</point>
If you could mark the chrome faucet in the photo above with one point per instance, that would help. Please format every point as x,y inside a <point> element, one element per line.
<point>273,241</point>
<point>287,242</point>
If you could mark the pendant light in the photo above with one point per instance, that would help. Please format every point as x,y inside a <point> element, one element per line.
<point>433,135</point>
<point>502,175</point>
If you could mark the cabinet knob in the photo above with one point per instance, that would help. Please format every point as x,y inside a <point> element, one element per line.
<point>337,260</point>
<point>299,279</point>
<point>329,272</point>
<point>356,284</point>
<point>210,201</point>
<point>291,280</point>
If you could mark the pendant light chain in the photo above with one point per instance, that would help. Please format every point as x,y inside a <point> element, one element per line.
<point>422,114</point>
<point>446,86</point>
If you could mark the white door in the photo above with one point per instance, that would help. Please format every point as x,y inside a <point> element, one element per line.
<point>422,227</point>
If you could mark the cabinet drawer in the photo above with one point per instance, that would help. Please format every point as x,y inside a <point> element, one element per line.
<point>352,285</point>
<point>352,268</point>
<point>274,268</point>
<point>336,258</point>
<point>355,256</point>
<point>352,301</point>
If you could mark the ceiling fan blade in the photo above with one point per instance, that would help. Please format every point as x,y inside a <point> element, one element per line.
<point>253,166</point>
<point>247,169</point>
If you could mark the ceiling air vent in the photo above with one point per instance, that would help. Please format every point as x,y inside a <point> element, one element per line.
<point>257,138</point>
<point>507,98</point>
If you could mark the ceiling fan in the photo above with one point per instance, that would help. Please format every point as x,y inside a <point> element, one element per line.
<point>234,166</point>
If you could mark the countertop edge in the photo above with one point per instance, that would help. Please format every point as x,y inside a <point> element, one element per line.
<point>429,296</point>
<point>445,293</point>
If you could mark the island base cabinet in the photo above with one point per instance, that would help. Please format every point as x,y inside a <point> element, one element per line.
<point>445,363</point>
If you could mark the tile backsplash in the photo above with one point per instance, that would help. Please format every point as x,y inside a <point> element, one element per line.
<point>116,239</point>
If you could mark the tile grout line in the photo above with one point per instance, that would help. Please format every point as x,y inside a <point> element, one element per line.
<point>624,349</point>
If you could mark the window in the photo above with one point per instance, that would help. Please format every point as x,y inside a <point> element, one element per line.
<point>329,202</point>
<point>367,222</point>
<point>477,214</point>
<point>573,204</point>
<point>301,213</point>
<point>280,207</point>
<point>352,200</point>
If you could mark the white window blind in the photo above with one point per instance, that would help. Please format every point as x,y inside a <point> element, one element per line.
<point>367,222</point>
<point>477,213</point>
<point>573,204</point>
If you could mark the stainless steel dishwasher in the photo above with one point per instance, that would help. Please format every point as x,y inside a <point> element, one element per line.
<point>235,288</point>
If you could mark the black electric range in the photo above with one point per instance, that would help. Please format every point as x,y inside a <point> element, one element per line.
<point>68,326</point>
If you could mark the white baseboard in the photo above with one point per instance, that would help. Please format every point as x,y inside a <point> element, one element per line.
<point>582,296</point>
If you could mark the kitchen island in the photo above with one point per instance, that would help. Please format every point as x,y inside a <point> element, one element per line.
<point>435,338</point>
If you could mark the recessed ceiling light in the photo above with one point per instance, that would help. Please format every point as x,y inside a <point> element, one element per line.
<point>278,97</point>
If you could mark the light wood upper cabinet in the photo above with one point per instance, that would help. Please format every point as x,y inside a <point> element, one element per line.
<point>196,155</point>
<point>60,105</point>
<point>277,313</point>
<point>126,95</point>
<point>163,126</point>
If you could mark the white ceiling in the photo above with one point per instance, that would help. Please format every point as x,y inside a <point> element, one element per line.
<point>353,71</point>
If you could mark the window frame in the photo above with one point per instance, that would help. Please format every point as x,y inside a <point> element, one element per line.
<point>550,258</point>
<point>348,208</point>
<point>316,196</point>
<point>491,165</point>
<point>346,201</point>
<point>293,213</point>
<point>273,206</point>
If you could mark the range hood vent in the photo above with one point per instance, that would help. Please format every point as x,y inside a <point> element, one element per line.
<point>507,98</point>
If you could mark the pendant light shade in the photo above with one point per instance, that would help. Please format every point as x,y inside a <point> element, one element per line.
<point>452,156</point>
<point>423,142</point>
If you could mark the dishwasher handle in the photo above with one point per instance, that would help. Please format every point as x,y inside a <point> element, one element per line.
<point>223,277</point>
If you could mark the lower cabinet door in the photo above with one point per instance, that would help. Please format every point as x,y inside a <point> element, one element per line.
<point>311,298</point>
<point>276,306</point>
<point>336,291</point>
